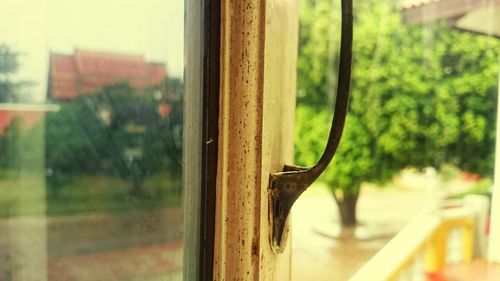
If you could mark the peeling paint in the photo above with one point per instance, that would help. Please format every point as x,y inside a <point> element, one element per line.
<point>258,64</point>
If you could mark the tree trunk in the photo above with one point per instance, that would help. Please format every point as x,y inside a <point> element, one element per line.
<point>347,208</point>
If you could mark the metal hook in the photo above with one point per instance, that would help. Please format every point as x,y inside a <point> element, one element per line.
<point>287,186</point>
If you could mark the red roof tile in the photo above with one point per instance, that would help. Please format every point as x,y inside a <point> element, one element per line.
<point>85,72</point>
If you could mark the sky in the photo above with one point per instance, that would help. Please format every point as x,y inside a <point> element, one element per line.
<point>152,28</point>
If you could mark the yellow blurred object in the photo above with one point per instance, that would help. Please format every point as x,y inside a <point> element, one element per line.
<point>436,249</point>
<point>425,245</point>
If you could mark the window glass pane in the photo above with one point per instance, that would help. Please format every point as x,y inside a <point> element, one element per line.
<point>419,137</point>
<point>91,140</point>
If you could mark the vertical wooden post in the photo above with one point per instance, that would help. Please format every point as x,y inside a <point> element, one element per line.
<point>468,241</point>
<point>257,105</point>
<point>435,254</point>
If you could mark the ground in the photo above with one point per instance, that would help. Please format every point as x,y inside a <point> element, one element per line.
<point>104,246</point>
<point>321,253</point>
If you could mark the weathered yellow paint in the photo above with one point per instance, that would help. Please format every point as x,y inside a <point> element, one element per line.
<point>257,102</point>
<point>436,250</point>
<point>427,235</point>
<point>467,241</point>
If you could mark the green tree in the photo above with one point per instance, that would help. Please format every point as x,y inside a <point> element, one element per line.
<point>420,97</point>
<point>10,91</point>
<point>352,165</point>
<point>9,141</point>
<point>118,131</point>
<point>8,65</point>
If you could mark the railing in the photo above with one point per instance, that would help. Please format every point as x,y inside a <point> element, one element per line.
<point>422,246</point>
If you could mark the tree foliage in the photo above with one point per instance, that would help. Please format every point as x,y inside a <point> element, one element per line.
<point>116,131</point>
<point>353,160</point>
<point>10,90</point>
<point>421,96</point>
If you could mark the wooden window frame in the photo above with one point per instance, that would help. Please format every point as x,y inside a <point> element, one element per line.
<point>201,111</point>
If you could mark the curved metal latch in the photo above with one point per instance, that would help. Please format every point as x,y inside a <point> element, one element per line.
<point>287,186</point>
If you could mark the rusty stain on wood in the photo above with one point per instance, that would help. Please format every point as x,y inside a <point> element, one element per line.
<point>258,60</point>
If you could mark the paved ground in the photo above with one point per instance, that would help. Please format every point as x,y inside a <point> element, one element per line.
<point>141,245</point>
<point>151,262</point>
<point>321,252</point>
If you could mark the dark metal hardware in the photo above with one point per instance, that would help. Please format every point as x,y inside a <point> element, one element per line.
<point>287,186</point>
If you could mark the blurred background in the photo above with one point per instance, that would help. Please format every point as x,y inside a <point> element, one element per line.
<point>91,124</point>
<point>420,130</point>
<point>91,121</point>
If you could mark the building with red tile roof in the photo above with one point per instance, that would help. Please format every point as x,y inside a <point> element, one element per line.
<point>85,72</point>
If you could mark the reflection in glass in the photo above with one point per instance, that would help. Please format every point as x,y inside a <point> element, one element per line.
<point>91,123</point>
